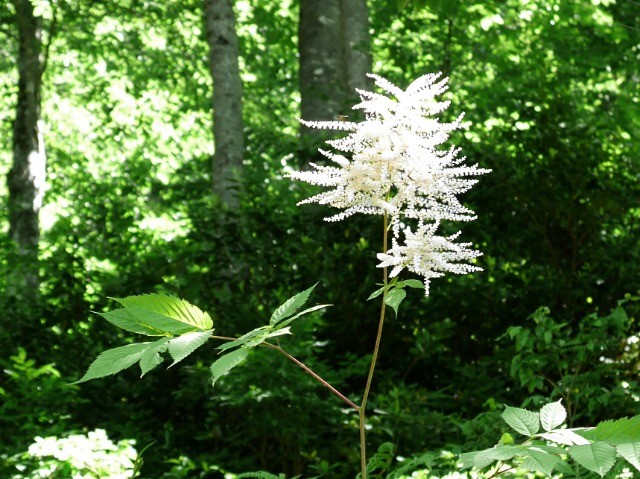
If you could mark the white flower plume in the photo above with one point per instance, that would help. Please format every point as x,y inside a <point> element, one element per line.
<point>393,163</point>
<point>428,255</point>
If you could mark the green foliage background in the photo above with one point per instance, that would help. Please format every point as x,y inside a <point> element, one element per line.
<point>551,95</point>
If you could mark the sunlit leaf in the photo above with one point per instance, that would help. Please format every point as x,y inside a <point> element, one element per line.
<point>290,306</point>
<point>523,421</point>
<point>114,360</point>
<point>182,346</point>
<point>598,457</point>
<point>552,415</point>
<point>631,452</point>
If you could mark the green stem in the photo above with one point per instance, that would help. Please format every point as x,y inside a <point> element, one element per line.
<point>374,358</point>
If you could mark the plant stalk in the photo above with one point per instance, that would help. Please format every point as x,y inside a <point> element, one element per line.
<point>374,359</point>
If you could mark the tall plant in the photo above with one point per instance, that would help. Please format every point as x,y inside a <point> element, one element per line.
<point>391,164</point>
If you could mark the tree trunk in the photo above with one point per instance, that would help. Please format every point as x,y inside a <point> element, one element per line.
<point>227,98</point>
<point>26,178</point>
<point>322,85</point>
<point>356,46</point>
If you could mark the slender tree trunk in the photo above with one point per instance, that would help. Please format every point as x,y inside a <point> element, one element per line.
<point>227,98</point>
<point>322,79</point>
<point>26,178</point>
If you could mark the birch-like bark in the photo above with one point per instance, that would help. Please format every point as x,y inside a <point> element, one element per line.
<point>227,99</point>
<point>26,178</point>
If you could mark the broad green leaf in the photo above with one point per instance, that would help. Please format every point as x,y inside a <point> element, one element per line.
<point>166,313</point>
<point>631,452</point>
<point>521,420</point>
<point>290,306</point>
<point>184,345</point>
<point>279,332</point>
<point>621,431</point>
<point>564,436</point>
<point>114,360</point>
<point>227,362</point>
<point>598,457</point>
<point>152,357</point>
<point>123,319</point>
<point>552,415</point>
<point>394,298</point>
<point>541,461</point>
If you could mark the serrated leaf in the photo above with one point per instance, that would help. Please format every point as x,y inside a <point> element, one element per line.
<point>182,346</point>
<point>259,334</point>
<point>112,361</point>
<point>631,452</point>
<point>621,431</point>
<point>286,322</point>
<point>124,320</point>
<point>481,459</point>
<point>227,362</point>
<point>394,298</point>
<point>598,457</point>
<point>564,436</point>
<point>552,415</point>
<point>152,357</point>
<point>290,306</point>
<point>525,422</point>
<point>169,314</point>
<point>541,461</point>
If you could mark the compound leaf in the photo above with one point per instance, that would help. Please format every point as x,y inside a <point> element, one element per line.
<point>523,421</point>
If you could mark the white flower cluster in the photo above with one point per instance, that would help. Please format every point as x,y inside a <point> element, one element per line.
<point>397,168</point>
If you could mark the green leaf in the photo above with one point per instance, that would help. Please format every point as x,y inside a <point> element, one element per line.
<point>564,436</point>
<point>114,360</point>
<point>255,336</point>
<point>291,305</point>
<point>631,452</point>
<point>615,432</point>
<point>152,357</point>
<point>481,459</point>
<point>552,415</point>
<point>523,421</point>
<point>394,298</point>
<point>168,314</point>
<point>184,345</point>
<point>124,320</point>
<point>376,293</point>
<point>541,461</point>
<point>227,362</point>
<point>411,283</point>
<point>598,457</point>
<point>286,322</point>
